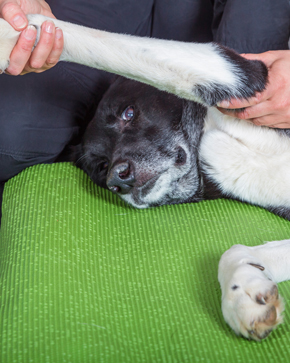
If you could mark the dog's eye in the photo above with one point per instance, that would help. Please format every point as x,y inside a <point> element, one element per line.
<point>128,113</point>
<point>103,166</point>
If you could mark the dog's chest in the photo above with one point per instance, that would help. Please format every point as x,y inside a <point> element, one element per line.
<point>246,162</point>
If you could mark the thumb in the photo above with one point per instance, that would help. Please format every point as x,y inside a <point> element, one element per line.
<point>266,57</point>
<point>13,14</point>
<point>250,56</point>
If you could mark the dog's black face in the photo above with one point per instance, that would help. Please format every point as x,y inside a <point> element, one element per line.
<point>143,145</point>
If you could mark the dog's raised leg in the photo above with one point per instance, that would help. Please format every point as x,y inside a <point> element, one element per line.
<point>248,277</point>
<point>206,73</point>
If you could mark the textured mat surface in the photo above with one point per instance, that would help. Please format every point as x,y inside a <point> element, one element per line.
<point>84,278</point>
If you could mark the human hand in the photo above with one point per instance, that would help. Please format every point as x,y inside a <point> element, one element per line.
<point>271,107</point>
<point>49,48</point>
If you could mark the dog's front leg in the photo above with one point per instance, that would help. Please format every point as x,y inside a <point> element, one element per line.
<point>206,73</point>
<point>248,277</point>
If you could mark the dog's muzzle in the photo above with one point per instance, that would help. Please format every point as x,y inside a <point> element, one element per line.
<point>121,178</point>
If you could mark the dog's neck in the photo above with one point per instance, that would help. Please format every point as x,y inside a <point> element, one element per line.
<point>210,189</point>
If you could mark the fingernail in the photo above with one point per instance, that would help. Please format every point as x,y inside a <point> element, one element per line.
<point>30,32</point>
<point>19,22</point>
<point>49,27</point>
<point>58,33</point>
<point>223,104</point>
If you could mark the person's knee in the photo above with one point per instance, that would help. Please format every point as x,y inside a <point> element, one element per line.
<point>11,165</point>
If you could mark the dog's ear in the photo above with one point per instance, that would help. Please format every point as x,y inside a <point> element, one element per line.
<point>192,121</point>
<point>77,157</point>
<point>70,153</point>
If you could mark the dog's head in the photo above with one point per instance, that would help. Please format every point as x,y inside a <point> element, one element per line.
<point>143,145</point>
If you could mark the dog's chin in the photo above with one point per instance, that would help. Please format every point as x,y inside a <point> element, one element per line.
<point>159,191</point>
<point>138,203</point>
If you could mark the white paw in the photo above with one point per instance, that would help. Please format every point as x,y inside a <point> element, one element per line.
<point>4,63</point>
<point>8,39</point>
<point>250,301</point>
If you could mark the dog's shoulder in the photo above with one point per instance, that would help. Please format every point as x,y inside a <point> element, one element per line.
<point>247,162</point>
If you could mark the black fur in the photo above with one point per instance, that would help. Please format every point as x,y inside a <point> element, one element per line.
<point>148,140</point>
<point>253,76</point>
<point>131,156</point>
<point>283,212</point>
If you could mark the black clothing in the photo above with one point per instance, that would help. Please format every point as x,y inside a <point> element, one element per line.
<point>252,26</point>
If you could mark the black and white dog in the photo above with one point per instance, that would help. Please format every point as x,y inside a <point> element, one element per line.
<point>167,144</point>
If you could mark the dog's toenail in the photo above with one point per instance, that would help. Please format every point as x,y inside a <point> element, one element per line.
<point>260,299</point>
<point>257,266</point>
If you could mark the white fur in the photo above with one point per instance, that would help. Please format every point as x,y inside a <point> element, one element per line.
<point>169,175</point>
<point>247,162</point>
<point>243,285</point>
<point>168,65</point>
<point>237,162</point>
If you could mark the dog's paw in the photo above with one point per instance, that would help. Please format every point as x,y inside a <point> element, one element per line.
<point>4,63</point>
<point>8,39</point>
<point>250,301</point>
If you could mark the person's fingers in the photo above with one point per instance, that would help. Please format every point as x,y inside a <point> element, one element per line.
<point>22,51</point>
<point>248,108</point>
<point>260,116</point>
<point>57,49</point>
<point>13,14</point>
<point>44,46</point>
<point>52,58</point>
<point>271,107</point>
<point>271,120</point>
<point>241,103</point>
<point>268,57</point>
<point>258,110</point>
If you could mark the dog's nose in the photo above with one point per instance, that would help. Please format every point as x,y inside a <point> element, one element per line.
<point>121,178</point>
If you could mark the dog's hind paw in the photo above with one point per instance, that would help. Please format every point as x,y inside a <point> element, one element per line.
<point>250,301</point>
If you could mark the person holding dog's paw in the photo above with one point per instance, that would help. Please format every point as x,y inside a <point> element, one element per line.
<point>270,108</point>
<point>48,50</point>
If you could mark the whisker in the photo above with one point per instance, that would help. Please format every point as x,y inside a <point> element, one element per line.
<point>81,158</point>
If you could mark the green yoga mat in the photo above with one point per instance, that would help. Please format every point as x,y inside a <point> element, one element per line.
<point>85,278</point>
